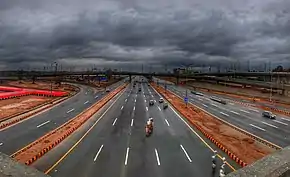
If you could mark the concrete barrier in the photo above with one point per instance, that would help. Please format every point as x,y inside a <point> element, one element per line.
<point>273,165</point>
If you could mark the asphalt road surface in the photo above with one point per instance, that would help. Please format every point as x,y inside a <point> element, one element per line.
<point>117,145</point>
<point>248,118</point>
<point>23,133</point>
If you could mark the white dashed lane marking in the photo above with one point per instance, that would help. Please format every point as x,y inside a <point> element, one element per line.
<point>245,111</point>
<point>280,122</point>
<point>269,124</point>
<point>224,114</point>
<point>127,154</point>
<point>257,127</point>
<point>167,122</point>
<point>204,105</point>
<point>157,157</point>
<point>189,159</point>
<point>285,119</point>
<point>98,153</point>
<point>115,121</point>
<point>235,112</point>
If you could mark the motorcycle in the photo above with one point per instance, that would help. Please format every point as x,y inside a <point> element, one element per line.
<point>148,130</point>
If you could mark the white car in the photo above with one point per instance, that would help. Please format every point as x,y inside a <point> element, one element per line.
<point>161,100</point>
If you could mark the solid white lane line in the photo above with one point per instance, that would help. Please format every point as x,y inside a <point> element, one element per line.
<point>235,112</point>
<point>157,157</point>
<point>285,119</point>
<point>43,123</point>
<point>269,124</point>
<point>204,105</point>
<point>1,144</point>
<point>257,127</point>
<point>189,159</point>
<point>224,114</point>
<point>244,111</point>
<point>132,121</point>
<point>86,102</point>
<point>69,111</point>
<point>127,154</point>
<point>134,108</point>
<point>98,153</point>
<point>115,121</point>
<point>146,108</point>
<point>280,122</point>
<point>167,122</point>
<point>122,107</point>
<point>126,100</point>
<point>159,108</point>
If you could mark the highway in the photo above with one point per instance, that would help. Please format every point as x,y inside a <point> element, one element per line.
<point>117,145</point>
<point>248,118</point>
<point>18,136</point>
<point>281,107</point>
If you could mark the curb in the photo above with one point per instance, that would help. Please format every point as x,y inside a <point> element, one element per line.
<point>220,145</point>
<point>67,133</point>
<point>31,114</point>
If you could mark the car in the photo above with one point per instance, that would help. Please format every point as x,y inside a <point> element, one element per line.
<point>161,100</point>
<point>107,90</point>
<point>139,90</point>
<point>165,105</point>
<point>151,103</point>
<point>269,115</point>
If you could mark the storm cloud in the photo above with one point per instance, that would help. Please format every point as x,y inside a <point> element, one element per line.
<point>155,33</point>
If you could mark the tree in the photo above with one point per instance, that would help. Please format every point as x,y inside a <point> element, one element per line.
<point>278,69</point>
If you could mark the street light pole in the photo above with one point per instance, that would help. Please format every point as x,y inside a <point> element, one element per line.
<point>271,82</point>
<point>51,81</point>
<point>186,95</point>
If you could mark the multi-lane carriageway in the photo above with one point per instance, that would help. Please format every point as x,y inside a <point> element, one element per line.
<point>245,117</point>
<point>19,135</point>
<point>113,143</point>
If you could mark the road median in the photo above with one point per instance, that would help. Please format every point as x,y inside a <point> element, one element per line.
<point>240,147</point>
<point>41,146</point>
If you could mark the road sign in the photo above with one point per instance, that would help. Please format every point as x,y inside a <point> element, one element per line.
<point>185,99</point>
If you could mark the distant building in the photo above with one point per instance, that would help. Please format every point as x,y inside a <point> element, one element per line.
<point>179,70</point>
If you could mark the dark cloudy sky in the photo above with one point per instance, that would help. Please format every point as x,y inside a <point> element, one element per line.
<point>129,33</point>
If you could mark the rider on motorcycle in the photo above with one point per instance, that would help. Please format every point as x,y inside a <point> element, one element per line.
<point>150,123</point>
